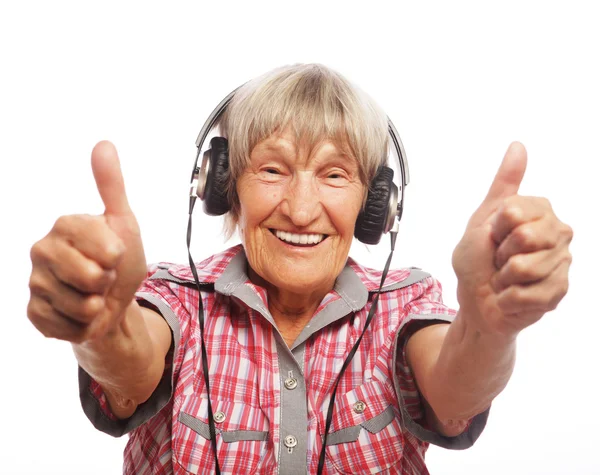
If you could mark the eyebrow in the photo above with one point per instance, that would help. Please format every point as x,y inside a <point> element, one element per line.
<point>278,146</point>
<point>289,148</point>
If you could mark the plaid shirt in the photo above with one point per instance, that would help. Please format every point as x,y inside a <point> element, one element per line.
<point>270,400</point>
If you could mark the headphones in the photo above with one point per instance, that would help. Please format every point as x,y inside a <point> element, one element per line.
<point>209,182</point>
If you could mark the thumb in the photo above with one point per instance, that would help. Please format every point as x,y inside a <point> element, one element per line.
<point>506,182</point>
<point>109,179</point>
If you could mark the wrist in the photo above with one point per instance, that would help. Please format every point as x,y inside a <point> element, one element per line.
<point>121,351</point>
<point>475,328</point>
<point>480,313</point>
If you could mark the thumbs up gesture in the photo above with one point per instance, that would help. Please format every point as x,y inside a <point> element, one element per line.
<point>86,270</point>
<point>512,262</point>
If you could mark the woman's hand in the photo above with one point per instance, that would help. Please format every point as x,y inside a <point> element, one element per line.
<point>87,269</point>
<point>512,263</point>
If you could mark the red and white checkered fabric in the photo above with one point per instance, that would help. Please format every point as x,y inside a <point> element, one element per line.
<point>246,382</point>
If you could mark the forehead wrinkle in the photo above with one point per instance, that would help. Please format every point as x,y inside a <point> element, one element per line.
<point>276,144</point>
<point>332,155</point>
<point>329,150</point>
<point>305,154</point>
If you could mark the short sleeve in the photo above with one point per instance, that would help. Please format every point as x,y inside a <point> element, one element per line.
<point>159,296</point>
<point>424,309</point>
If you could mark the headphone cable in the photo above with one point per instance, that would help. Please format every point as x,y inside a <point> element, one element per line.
<point>393,235</point>
<point>211,420</point>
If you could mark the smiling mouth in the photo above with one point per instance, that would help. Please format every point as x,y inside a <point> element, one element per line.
<point>300,240</point>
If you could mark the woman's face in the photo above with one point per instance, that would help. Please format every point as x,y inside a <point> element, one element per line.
<point>298,207</point>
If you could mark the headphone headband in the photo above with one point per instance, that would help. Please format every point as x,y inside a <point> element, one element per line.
<point>213,117</point>
<point>384,209</point>
<point>218,111</point>
<point>382,212</point>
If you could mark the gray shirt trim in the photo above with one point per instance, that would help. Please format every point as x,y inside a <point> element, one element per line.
<point>416,275</point>
<point>459,442</point>
<point>354,296</point>
<point>201,427</point>
<point>353,292</point>
<point>293,411</point>
<point>373,425</point>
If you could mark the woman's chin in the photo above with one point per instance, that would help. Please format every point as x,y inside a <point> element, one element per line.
<point>305,273</point>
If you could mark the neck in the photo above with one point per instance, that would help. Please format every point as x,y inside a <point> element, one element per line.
<point>290,310</point>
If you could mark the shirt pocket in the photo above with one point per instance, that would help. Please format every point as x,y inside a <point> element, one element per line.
<point>365,434</point>
<point>242,436</point>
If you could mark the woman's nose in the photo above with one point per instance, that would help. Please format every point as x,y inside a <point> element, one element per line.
<point>302,204</point>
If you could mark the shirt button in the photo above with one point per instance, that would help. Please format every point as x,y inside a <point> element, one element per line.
<point>291,383</point>
<point>219,416</point>
<point>359,407</point>
<point>290,441</point>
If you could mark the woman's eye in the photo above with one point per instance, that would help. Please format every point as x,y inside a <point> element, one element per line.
<point>271,170</point>
<point>336,175</point>
<point>271,174</point>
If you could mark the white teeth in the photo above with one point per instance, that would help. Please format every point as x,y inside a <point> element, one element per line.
<point>299,238</point>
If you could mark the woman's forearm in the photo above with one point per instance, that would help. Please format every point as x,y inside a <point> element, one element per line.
<point>472,368</point>
<point>129,361</point>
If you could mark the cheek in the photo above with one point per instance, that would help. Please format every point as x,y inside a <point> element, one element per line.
<point>343,209</point>
<point>256,203</point>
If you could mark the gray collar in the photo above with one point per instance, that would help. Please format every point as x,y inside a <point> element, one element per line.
<point>353,296</point>
<point>352,289</point>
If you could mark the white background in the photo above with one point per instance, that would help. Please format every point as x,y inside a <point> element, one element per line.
<point>460,80</point>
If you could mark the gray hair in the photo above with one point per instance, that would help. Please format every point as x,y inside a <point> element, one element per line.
<point>316,104</point>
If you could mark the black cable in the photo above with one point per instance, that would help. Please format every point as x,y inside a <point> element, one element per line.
<point>211,420</point>
<point>329,418</point>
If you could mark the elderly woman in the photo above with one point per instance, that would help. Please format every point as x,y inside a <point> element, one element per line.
<point>283,310</point>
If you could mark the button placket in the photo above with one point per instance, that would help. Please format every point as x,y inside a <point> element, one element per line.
<point>292,444</point>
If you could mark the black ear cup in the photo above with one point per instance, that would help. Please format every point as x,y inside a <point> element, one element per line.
<point>215,192</point>
<point>372,220</point>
